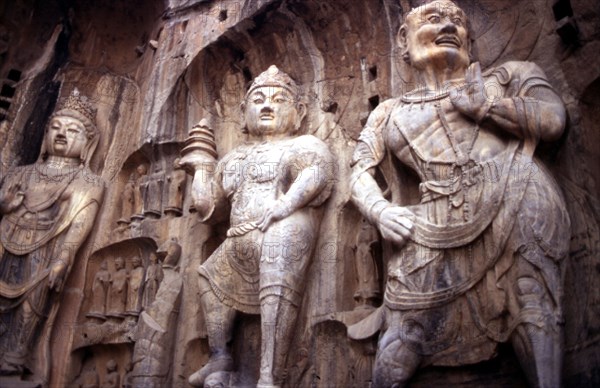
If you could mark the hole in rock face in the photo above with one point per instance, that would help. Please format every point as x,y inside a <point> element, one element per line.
<point>247,74</point>
<point>332,108</point>
<point>373,102</point>
<point>223,15</point>
<point>7,91</point>
<point>562,9</point>
<point>14,75</point>
<point>372,73</point>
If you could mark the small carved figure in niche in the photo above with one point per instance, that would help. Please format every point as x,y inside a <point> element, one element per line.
<point>48,209</point>
<point>219,380</point>
<point>302,372</point>
<point>152,186</point>
<point>367,292</point>
<point>117,293</point>
<point>99,292</point>
<point>90,379</point>
<point>478,261</point>
<point>112,378</point>
<point>154,275</point>
<point>177,182</point>
<point>135,288</point>
<point>276,182</point>
<point>128,204</point>
<point>127,378</point>
<point>138,193</point>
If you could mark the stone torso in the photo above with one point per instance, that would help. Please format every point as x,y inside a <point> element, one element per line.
<point>253,177</point>
<point>416,136</point>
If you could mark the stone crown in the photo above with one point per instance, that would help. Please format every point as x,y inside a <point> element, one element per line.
<point>79,103</point>
<point>274,77</point>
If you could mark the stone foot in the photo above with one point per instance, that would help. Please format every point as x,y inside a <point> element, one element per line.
<point>219,363</point>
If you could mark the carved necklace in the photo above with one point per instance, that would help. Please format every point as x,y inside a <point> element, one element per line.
<point>422,95</point>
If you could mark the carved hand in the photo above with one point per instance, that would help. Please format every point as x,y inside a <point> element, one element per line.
<point>280,209</point>
<point>471,98</point>
<point>395,224</point>
<point>12,198</point>
<point>57,272</point>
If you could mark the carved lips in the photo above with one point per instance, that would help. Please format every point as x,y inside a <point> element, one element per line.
<point>448,40</point>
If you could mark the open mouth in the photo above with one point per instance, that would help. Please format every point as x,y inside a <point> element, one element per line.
<point>448,40</point>
<point>266,116</point>
<point>60,141</point>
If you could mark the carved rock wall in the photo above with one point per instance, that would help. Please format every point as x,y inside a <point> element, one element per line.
<point>155,68</point>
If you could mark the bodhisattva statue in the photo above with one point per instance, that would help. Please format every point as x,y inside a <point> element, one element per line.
<point>112,378</point>
<point>138,194</point>
<point>48,209</point>
<point>154,275</point>
<point>117,293</point>
<point>136,287</point>
<point>100,288</point>
<point>176,190</point>
<point>478,261</point>
<point>275,184</point>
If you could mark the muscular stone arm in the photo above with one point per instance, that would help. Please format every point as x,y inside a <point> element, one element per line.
<point>314,174</point>
<point>393,221</point>
<point>535,111</point>
<point>307,185</point>
<point>551,114</point>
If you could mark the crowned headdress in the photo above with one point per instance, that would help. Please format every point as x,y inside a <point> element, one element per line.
<point>274,77</point>
<point>79,107</point>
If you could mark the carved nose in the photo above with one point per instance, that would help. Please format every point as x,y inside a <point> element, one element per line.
<point>266,108</point>
<point>449,28</point>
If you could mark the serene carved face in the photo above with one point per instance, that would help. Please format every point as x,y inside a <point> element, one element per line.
<point>136,262</point>
<point>119,263</point>
<point>66,137</point>
<point>271,110</point>
<point>436,32</point>
<point>141,170</point>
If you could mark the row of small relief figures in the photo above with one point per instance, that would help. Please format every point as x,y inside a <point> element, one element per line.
<point>112,379</point>
<point>143,195</point>
<point>124,293</point>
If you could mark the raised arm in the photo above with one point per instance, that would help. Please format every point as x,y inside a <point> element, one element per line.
<point>535,111</point>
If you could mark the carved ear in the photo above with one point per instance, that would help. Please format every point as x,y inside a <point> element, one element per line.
<point>301,108</point>
<point>89,149</point>
<point>402,39</point>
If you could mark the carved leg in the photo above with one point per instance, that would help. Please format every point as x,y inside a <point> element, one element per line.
<point>219,324</point>
<point>539,344</point>
<point>395,363</point>
<point>278,317</point>
<point>14,359</point>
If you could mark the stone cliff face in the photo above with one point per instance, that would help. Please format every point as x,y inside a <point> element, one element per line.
<point>155,68</point>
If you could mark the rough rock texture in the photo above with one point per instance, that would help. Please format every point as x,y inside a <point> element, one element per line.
<point>155,68</point>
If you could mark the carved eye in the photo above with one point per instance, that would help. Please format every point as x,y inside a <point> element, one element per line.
<point>457,21</point>
<point>258,100</point>
<point>280,100</point>
<point>433,18</point>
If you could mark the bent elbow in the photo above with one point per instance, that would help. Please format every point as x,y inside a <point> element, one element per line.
<point>554,123</point>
